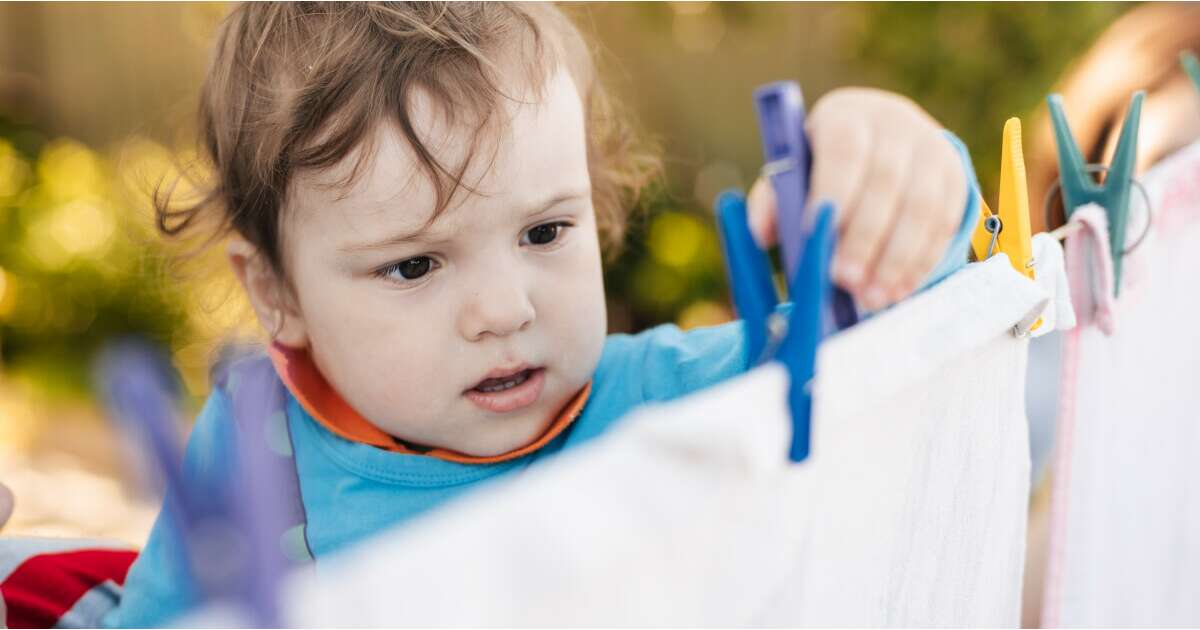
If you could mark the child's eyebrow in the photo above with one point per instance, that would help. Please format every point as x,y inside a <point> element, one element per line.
<point>422,235</point>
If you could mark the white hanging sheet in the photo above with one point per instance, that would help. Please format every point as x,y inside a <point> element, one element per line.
<point>911,510</point>
<point>1125,522</point>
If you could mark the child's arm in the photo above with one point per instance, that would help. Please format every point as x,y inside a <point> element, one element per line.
<point>899,186</point>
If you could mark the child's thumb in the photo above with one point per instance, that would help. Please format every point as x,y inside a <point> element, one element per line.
<point>761,213</point>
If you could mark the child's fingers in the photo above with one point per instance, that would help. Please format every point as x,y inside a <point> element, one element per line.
<point>871,220</point>
<point>762,213</point>
<point>904,261</point>
<point>929,216</point>
<point>842,148</point>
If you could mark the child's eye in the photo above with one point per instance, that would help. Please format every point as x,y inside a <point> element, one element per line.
<point>410,269</point>
<point>545,233</point>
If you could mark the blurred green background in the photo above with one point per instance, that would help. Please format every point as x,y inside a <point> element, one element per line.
<point>96,99</point>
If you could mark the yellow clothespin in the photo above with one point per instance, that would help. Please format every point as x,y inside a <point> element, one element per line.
<point>1009,231</point>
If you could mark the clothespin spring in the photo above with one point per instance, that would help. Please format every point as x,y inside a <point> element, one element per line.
<point>1065,230</point>
<point>994,226</point>
<point>775,167</point>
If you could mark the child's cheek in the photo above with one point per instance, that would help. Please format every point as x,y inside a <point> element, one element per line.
<point>581,307</point>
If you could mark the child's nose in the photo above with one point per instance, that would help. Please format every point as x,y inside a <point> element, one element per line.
<point>497,308</point>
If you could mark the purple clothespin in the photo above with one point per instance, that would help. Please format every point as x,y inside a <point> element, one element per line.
<point>224,533</point>
<point>788,159</point>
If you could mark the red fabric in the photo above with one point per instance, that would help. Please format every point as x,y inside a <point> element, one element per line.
<point>44,587</point>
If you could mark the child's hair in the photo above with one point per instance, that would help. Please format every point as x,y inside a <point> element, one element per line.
<point>297,86</point>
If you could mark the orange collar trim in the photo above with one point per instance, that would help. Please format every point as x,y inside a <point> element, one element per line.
<point>298,372</point>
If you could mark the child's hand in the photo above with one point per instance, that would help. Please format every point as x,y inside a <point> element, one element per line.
<point>898,185</point>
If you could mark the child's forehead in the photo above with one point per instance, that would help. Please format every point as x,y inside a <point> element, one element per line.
<point>532,142</point>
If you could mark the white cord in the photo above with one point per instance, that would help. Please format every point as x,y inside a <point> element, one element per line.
<point>1064,231</point>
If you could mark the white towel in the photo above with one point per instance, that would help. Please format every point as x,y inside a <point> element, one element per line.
<point>1125,524</point>
<point>1051,275</point>
<point>910,512</point>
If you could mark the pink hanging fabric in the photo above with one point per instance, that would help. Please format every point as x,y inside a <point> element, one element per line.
<point>1125,516</point>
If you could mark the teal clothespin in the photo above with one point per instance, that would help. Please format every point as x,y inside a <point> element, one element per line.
<point>1191,66</point>
<point>1078,187</point>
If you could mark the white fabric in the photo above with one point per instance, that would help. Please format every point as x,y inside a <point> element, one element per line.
<point>911,510</point>
<point>1090,268</point>
<point>1125,533</point>
<point>1051,275</point>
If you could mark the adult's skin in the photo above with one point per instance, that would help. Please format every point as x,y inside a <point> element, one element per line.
<point>1140,51</point>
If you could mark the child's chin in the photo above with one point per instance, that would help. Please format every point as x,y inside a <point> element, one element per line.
<point>510,437</point>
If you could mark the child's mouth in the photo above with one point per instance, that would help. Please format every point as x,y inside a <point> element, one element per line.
<point>510,392</point>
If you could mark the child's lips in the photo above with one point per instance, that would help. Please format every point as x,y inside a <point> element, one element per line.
<point>512,398</point>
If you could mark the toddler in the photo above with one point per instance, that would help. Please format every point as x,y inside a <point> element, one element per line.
<point>418,199</point>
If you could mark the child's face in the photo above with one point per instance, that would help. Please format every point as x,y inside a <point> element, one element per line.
<point>409,323</point>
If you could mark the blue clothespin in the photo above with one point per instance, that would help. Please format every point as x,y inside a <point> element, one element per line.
<point>1078,187</point>
<point>222,531</point>
<point>813,296</point>
<point>788,163</point>
<point>792,338</point>
<point>806,243</point>
<point>749,279</point>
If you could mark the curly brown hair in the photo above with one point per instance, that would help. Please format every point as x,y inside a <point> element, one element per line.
<point>296,86</point>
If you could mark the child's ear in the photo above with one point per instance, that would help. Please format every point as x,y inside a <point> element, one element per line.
<point>269,294</point>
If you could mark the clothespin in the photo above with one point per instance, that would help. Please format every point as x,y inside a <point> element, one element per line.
<point>1191,66</point>
<point>1078,187</point>
<point>1008,230</point>
<point>788,161</point>
<point>226,558</point>
<point>785,151</point>
<point>793,338</point>
<point>813,295</point>
<point>806,244</point>
<point>749,278</point>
